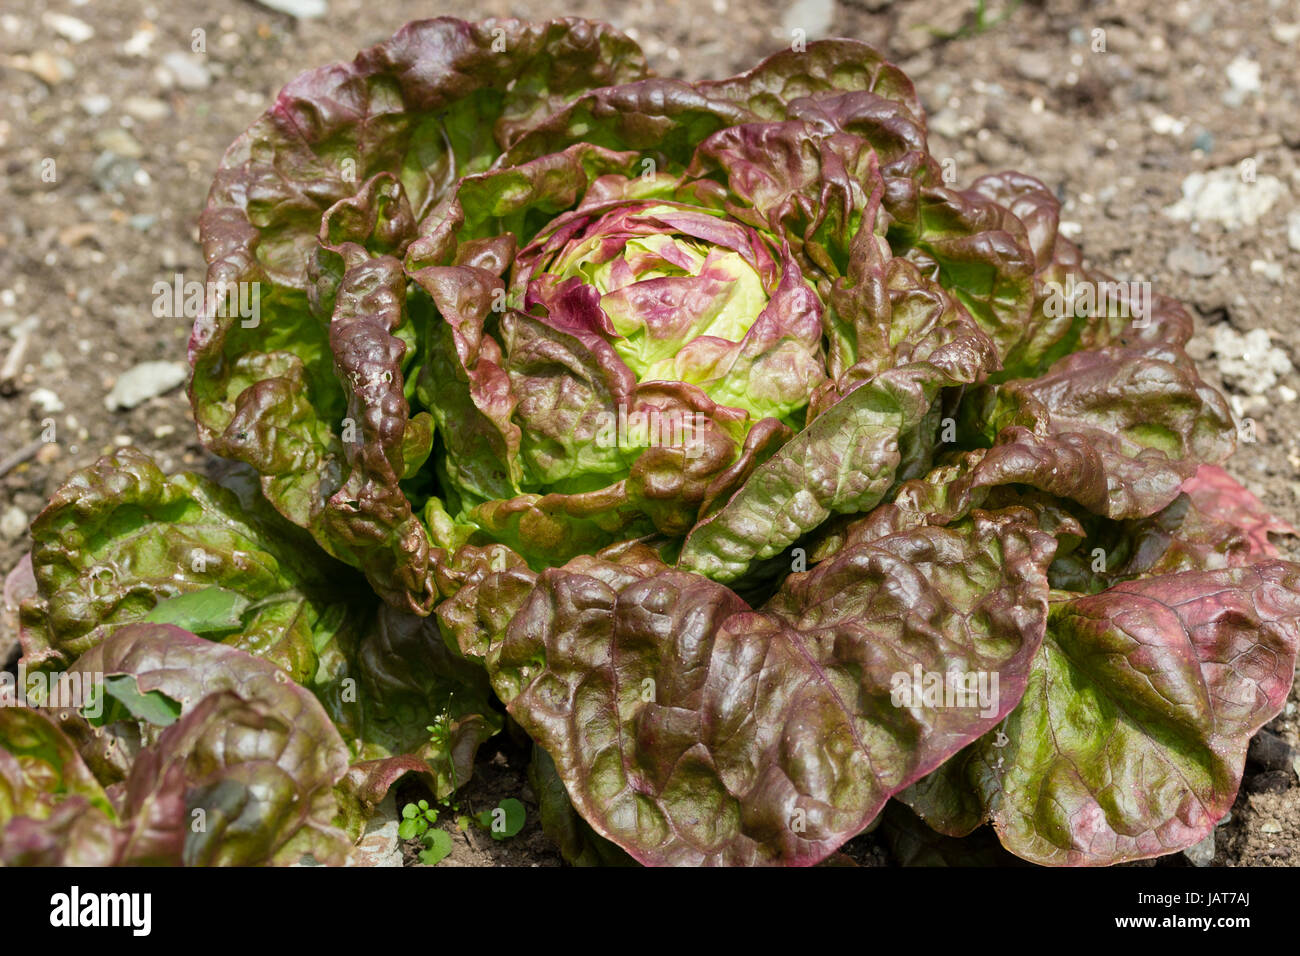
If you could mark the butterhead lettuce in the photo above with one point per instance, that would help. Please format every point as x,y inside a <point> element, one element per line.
<point>756,472</point>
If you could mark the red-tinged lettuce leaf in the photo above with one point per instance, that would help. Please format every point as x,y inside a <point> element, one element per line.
<point>120,537</point>
<point>1218,496</point>
<point>465,386</point>
<point>40,766</point>
<point>912,843</point>
<point>690,729</point>
<point>843,462</point>
<point>409,680</point>
<point>820,71</point>
<point>350,158</point>
<point>816,188</point>
<point>478,614</point>
<point>665,118</point>
<point>1131,737</point>
<point>1117,430</point>
<point>577,842</point>
<point>1105,312</point>
<point>76,833</point>
<point>982,256</point>
<point>368,521</point>
<point>253,750</point>
<point>440,99</point>
<point>1215,523</point>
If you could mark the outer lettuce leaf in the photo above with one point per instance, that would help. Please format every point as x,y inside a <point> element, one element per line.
<point>1221,499</point>
<point>578,843</point>
<point>40,767</point>
<point>819,72</point>
<point>246,775</point>
<point>119,537</point>
<point>1131,738</point>
<point>1215,523</point>
<point>256,751</point>
<point>689,729</point>
<point>1115,429</point>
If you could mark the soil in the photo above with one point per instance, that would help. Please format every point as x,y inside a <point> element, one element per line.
<point>108,143</point>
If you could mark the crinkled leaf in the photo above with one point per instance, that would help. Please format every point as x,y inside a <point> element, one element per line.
<point>120,540</point>
<point>253,750</point>
<point>689,729</point>
<point>1131,737</point>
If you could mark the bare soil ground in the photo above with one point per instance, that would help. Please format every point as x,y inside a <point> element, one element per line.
<point>108,142</point>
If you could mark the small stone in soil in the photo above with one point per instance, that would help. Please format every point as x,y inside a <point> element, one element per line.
<point>1269,270</point>
<point>70,28</point>
<point>1201,854</point>
<point>96,104</point>
<point>146,380</point>
<point>189,71</point>
<point>13,523</point>
<point>302,9</point>
<point>46,400</point>
<point>1192,260</point>
<point>1223,196</point>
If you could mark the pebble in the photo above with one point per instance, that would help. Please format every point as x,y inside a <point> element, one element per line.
<point>112,172</point>
<point>96,104</point>
<point>143,382</point>
<point>1201,854</point>
<point>1243,80</point>
<point>70,28</point>
<point>1166,125</point>
<point>189,71</point>
<point>1270,826</point>
<point>1036,66</point>
<point>119,141</point>
<point>814,17</point>
<point>46,400</point>
<point>145,108</point>
<point>139,43</point>
<point>1221,196</point>
<point>1249,362</point>
<point>13,523</point>
<point>47,67</point>
<point>74,235</point>
<point>1269,270</point>
<point>1293,230</point>
<point>1191,259</point>
<point>302,9</point>
<point>1286,33</point>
